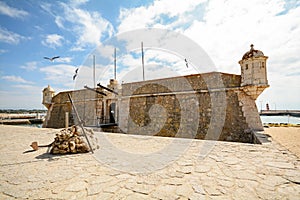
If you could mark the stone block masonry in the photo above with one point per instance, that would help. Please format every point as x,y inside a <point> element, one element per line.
<point>201,106</point>
<point>212,106</point>
<point>86,102</point>
<point>209,106</point>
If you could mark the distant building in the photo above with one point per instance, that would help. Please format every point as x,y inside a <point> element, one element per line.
<point>214,105</point>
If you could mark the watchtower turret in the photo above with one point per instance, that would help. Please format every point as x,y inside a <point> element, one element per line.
<point>48,93</point>
<point>254,72</point>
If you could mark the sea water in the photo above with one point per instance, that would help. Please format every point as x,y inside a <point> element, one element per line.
<point>280,119</point>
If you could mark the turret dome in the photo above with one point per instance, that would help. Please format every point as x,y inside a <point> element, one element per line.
<point>252,53</point>
<point>50,89</point>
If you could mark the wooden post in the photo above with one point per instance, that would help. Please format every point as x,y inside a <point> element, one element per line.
<point>80,122</point>
<point>67,119</point>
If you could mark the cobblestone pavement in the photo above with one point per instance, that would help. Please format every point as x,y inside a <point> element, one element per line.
<point>228,171</point>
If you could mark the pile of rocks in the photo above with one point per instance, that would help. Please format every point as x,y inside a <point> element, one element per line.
<point>69,141</point>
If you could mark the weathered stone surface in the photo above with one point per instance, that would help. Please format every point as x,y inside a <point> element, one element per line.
<point>43,176</point>
<point>184,190</point>
<point>223,110</point>
<point>202,168</point>
<point>76,186</point>
<point>283,165</point>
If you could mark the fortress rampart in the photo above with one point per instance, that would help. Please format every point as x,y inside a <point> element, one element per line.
<point>215,106</point>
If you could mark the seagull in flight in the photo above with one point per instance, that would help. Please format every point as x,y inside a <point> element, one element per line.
<point>186,63</point>
<point>75,74</point>
<point>51,59</point>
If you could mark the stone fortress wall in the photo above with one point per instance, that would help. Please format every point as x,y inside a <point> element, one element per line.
<point>201,106</point>
<point>88,105</point>
<point>214,105</point>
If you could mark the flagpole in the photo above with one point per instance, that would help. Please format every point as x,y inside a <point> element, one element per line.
<point>143,62</point>
<point>94,71</point>
<point>115,64</point>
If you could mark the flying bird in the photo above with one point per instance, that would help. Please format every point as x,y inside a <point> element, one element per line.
<point>51,59</point>
<point>186,63</point>
<point>75,74</point>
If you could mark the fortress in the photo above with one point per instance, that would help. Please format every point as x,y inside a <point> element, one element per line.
<point>214,106</point>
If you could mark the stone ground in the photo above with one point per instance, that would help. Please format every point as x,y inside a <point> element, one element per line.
<point>141,167</point>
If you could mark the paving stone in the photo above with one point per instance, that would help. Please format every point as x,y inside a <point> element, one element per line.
<point>185,169</point>
<point>102,196</point>
<point>223,197</point>
<point>165,192</point>
<point>174,181</point>
<point>143,188</point>
<point>198,188</point>
<point>197,196</point>
<point>246,175</point>
<point>76,186</point>
<point>3,196</point>
<point>135,196</point>
<point>274,181</point>
<point>111,188</point>
<point>212,190</point>
<point>243,194</point>
<point>266,194</point>
<point>184,190</point>
<point>225,183</point>
<point>18,194</point>
<point>202,168</point>
<point>231,160</point>
<point>185,162</point>
<point>122,194</point>
<point>283,165</point>
<point>176,174</point>
<point>230,170</point>
<point>94,189</point>
<point>217,158</point>
<point>124,176</point>
<point>99,179</point>
<point>292,175</point>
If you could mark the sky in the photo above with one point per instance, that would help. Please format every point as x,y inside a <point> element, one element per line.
<point>84,32</point>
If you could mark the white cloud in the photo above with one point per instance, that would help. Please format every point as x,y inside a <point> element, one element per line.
<point>9,37</point>
<point>27,87</point>
<point>53,40</point>
<point>12,12</point>
<point>3,51</point>
<point>30,66</point>
<point>16,79</point>
<point>225,30</point>
<point>78,2</point>
<point>106,51</point>
<point>65,59</point>
<point>89,27</point>
<point>60,75</point>
<point>230,27</point>
<point>176,12</point>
